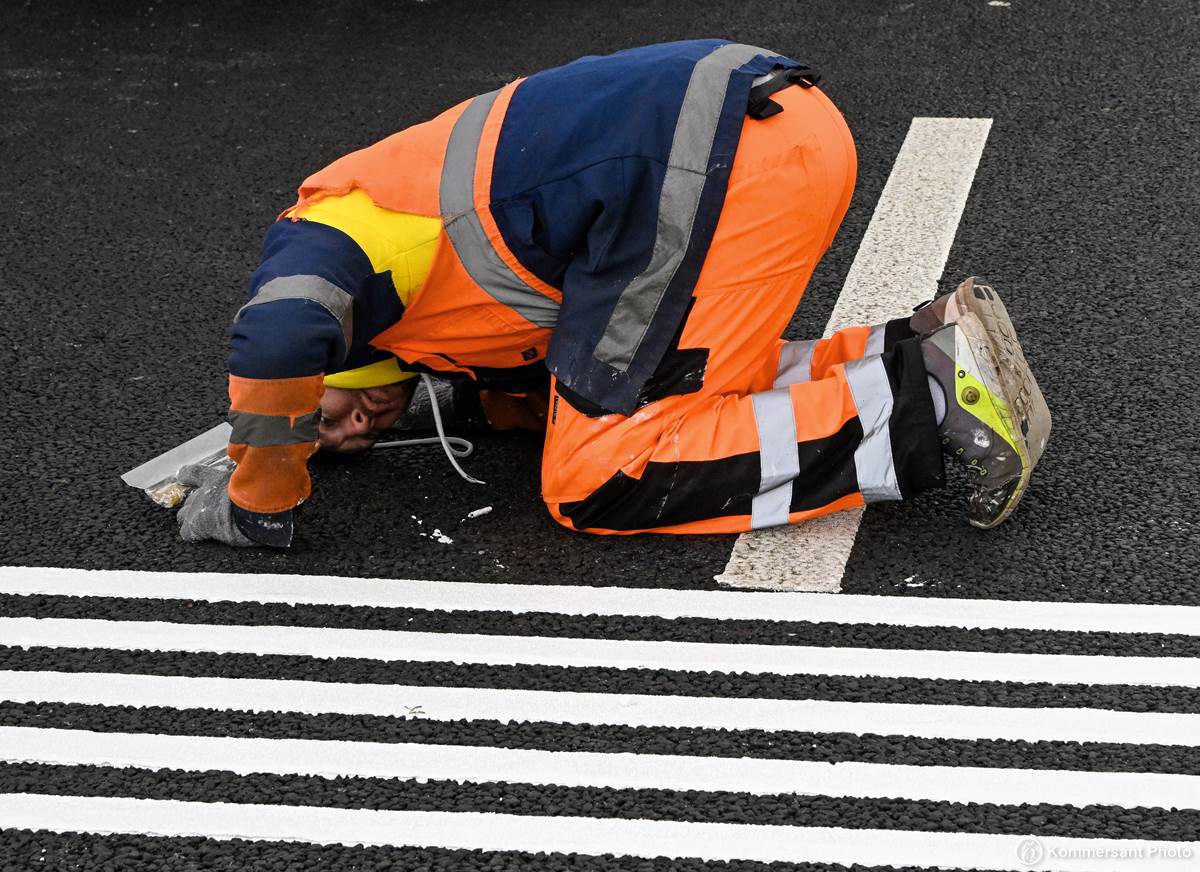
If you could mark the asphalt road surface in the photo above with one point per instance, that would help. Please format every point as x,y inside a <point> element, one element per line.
<point>146,148</point>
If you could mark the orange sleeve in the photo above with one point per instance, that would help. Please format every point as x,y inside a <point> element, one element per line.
<point>274,433</point>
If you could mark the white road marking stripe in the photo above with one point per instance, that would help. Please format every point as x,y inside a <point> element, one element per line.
<point>591,836</point>
<point>624,709</point>
<point>580,600</point>
<point>898,264</point>
<point>392,645</point>
<point>333,759</point>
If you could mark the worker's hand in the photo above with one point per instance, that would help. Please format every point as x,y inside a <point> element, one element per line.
<point>207,514</point>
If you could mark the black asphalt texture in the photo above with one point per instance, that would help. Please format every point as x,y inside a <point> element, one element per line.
<point>146,148</point>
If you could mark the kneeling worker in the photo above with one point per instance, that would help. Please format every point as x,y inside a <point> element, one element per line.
<point>641,225</point>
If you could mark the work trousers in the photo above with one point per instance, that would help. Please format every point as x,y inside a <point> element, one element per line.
<point>742,430</point>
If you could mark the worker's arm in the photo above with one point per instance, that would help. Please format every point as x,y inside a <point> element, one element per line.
<point>327,283</point>
<point>297,326</point>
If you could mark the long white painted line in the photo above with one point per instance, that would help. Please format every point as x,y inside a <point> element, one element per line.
<point>393,645</point>
<point>591,836</point>
<point>899,262</point>
<point>333,759</point>
<point>581,600</point>
<point>623,709</point>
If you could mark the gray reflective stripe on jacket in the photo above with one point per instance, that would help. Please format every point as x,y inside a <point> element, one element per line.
<point>873,461</point>
<point>263,431</point>
<point>457,202</point>
<point>683,185</point>
<point>337,302</point>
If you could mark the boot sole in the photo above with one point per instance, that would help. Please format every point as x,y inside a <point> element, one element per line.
<point>1021,388</point>
<point>993,365</point>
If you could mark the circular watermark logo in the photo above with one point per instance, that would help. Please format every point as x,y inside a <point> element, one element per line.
<point>1031,852</point>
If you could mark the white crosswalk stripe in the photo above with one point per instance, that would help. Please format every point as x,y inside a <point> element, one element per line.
<point>624,709</point>
<point>55,658</point>
<point>391,645</point>
<point>502,832</point>
<point>584,600</point>
<point>332,759</point>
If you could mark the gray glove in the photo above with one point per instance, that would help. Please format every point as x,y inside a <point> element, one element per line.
<point>207,513</point>
<point>419,414</point>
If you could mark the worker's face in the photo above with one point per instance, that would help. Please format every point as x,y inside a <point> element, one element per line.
<point>351,420</point>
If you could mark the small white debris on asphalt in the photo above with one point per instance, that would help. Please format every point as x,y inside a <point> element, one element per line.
<point>910,583</point>
<point>436,534</point>
<point>478,513</point>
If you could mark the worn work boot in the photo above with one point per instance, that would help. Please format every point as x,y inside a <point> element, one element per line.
<point>992,424</point>
<point>937,313</point>
<point>977,295</point>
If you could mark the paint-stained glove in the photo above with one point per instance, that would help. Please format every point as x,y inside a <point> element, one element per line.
<point>207,514</point>
<point>457,400</point>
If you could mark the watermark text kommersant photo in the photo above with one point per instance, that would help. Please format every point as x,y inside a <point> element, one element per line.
<point>1034,852</point>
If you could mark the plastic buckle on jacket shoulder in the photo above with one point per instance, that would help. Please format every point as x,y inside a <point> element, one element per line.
<point>761,105</point>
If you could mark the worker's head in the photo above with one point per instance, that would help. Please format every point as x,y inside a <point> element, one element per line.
<point>352,419</point>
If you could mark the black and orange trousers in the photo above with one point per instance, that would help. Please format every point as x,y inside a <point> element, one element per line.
<point>752,431</point>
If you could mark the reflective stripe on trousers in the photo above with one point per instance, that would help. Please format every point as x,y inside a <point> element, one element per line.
<point>796,358</point>
<point>795,362</point>
<point>868,380</point>
<point>779,457</point>
<point>775,417</point>
<point>875,340</point>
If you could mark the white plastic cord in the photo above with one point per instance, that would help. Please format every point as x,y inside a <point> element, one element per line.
<point>454,446</point>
